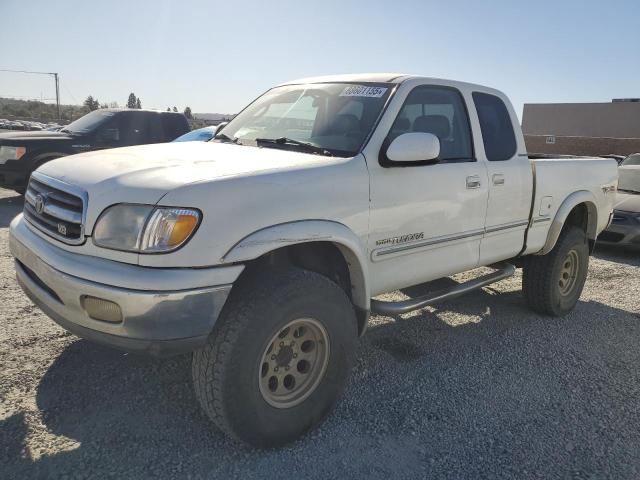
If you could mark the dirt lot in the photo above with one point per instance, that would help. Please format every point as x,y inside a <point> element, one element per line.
<point>477,388</point>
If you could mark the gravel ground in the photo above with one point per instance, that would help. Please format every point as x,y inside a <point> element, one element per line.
<point>476,388</point>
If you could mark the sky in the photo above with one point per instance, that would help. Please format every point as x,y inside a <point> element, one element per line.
<point>217,56</point>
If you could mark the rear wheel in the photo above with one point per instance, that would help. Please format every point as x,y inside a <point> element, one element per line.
<point>553,283</point>
<point>278,358</point>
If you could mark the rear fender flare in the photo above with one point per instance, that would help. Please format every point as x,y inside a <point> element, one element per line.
<point>569,203</point>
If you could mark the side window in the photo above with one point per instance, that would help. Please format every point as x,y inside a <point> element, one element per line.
<point>441,111</point>
<point>109,132</point>
<point>497,130</point>
<point>134,129</point>
<point>155,134</point>
<point>173,126</point>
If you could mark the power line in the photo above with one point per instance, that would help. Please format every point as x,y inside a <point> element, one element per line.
<point>25,97</point>
<point>26,71</point>
<point>69,92</point>
<point>55,76</point>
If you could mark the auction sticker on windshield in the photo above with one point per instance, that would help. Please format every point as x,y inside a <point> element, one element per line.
<point>362,91</point>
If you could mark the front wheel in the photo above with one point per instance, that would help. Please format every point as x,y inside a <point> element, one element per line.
<point>278,358</point>
<point>553,283</point>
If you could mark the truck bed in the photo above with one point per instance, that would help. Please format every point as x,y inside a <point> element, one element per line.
<point>558,177</point>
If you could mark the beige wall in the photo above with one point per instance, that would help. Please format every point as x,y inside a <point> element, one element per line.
<point>613,120</point>
<point>582,145</point>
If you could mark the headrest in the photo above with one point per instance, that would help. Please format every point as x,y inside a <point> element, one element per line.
<point>346,123</point>
<point>402,124</point>
<point>436,124</point>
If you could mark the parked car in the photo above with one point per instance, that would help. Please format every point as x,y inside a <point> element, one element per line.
<point>199,135</point>
<point>624,230</point>
<point>22,153</point>
<point>262,250</point>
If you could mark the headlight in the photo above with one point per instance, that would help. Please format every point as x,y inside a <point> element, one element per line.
<point>11,153</point>
<point>145,229</point>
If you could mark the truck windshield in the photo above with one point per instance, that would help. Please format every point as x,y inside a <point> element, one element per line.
<point>336,118</point>
<point>89,122</point>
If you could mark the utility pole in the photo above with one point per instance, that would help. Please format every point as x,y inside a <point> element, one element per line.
<point>55,77</point>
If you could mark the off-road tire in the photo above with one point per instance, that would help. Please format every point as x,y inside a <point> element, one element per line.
<point>226,370</point>
<point>542,283</point>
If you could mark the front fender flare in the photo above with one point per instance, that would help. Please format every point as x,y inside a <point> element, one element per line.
<point>569,203</point>
<point>271,238</point>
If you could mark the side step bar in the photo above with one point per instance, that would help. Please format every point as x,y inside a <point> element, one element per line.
<point>504,270</point>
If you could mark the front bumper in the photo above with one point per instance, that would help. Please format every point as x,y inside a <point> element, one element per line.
<point>160,322</point>
<point>12,178</point>
<point>624,230</point>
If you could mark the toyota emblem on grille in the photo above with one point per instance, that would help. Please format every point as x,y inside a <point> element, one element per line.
<point>40,203</point>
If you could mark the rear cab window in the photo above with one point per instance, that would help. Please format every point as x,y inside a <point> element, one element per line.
<point>173,125</point>
<point>498,136</point>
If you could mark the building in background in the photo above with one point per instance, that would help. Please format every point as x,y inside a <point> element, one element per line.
<point>583,128</point>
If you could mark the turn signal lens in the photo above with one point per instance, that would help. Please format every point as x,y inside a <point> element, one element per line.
<point>184,225</point>
<point>168,228</point>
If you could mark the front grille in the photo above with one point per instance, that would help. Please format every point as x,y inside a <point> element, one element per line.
<point>53,209</point>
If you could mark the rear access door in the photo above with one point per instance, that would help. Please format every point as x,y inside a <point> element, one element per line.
<point>510,178</point>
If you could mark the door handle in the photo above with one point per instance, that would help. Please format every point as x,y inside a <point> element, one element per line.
<point>498,179</point>
<point>473,181</point>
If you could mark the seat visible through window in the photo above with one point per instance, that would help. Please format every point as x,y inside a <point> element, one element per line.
<point>440,111</point>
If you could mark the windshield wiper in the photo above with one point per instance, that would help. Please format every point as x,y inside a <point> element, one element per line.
<point>310,147</point>
<point>624,190</point>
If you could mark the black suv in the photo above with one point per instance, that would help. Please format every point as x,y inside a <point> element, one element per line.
<point>22,152</point>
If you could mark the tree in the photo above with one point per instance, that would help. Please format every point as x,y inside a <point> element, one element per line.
<point>114,105</point>
<point>187,113</point>
<point>175,109</point>
<point>131,102</point>
<point>138,103</point>
<point>91,103</point>
<point>168,109</point>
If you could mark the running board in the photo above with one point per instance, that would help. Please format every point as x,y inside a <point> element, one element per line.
<point>504,270</point>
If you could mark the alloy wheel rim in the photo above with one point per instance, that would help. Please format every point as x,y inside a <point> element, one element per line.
<point>569,273</point>
<point>293,363</point>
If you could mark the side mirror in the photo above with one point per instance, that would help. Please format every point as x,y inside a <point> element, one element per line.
<point>414,147</point>
<point>219,127</point>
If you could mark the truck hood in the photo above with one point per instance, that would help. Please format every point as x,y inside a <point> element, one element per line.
<point>627,202</point>
<point>145,173</point>
<point>34,135</point>
<point>629,177</point>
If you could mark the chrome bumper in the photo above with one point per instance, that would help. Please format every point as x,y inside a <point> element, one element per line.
<point>158,322</point>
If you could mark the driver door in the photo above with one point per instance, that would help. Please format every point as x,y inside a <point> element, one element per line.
<point>427,219</point>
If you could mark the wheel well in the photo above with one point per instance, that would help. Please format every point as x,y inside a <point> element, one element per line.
<point>578,217</point>
<point>324,258</point>
<point>583,216</point>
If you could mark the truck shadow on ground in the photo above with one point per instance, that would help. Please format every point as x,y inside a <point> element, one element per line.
<point>627,256</point>
<point>422,390</point>
<point>9,208</point>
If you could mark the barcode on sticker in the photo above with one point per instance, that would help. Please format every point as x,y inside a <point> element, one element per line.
<point>362,91</point>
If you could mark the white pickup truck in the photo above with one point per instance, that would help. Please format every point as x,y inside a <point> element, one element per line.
<point>261,251</point>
